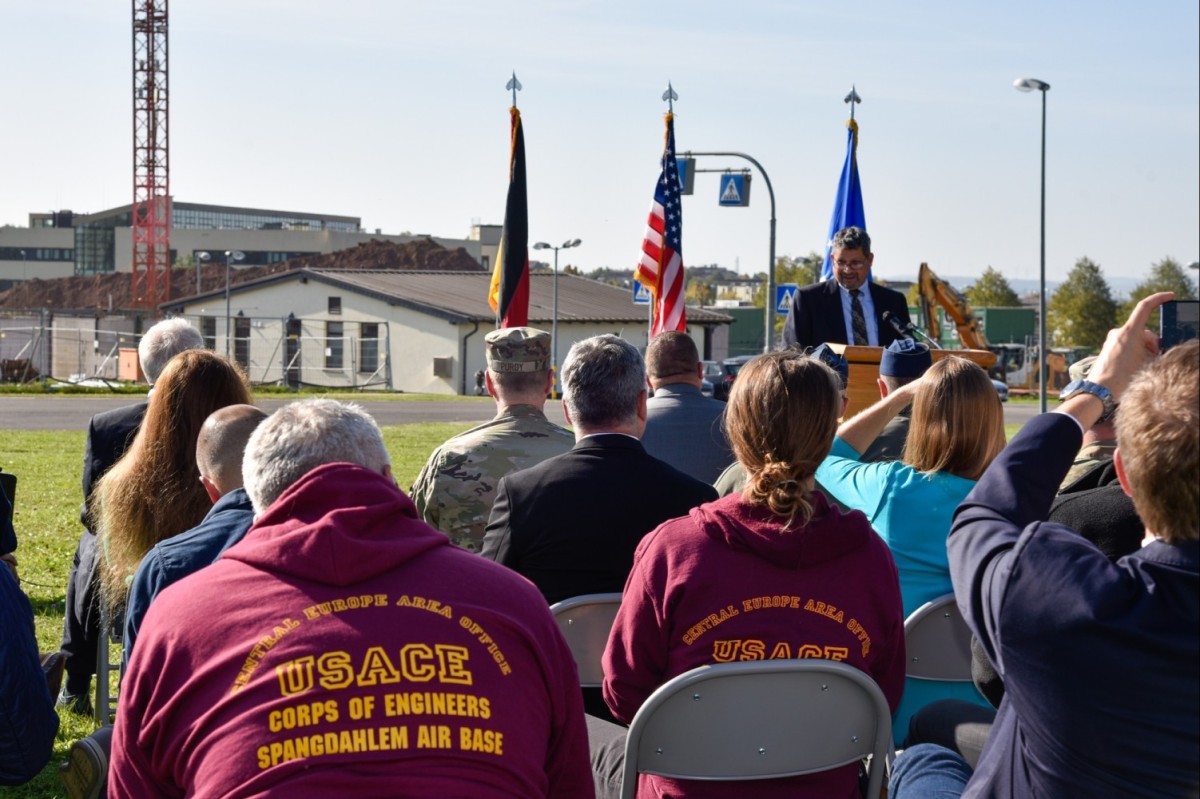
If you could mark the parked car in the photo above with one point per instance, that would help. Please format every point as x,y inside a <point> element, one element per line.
<point>712,375</point>
<point>729,369</point>
<point>1001,389</point>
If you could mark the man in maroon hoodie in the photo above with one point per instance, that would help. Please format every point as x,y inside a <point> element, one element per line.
<point>344,647</point>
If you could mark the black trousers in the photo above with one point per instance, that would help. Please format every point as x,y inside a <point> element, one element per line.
<point>81,621</point>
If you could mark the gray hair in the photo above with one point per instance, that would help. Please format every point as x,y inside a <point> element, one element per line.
<point>303,435</point>
<point>164,341</point>
<point>602,378</point>
<point>851,238</point>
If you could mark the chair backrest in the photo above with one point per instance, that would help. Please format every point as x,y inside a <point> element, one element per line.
<point>757,720</point>
<point>938,642</point>
<point>585,622</point>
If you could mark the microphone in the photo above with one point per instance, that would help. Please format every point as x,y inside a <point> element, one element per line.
<point>896,324</point>
<point>907,329</point>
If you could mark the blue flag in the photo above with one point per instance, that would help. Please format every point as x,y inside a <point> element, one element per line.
<point>848,205</point>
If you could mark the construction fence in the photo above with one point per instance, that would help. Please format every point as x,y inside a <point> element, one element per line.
<point>272,351</point>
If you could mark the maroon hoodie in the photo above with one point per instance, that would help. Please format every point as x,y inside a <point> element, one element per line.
<point>345,648</point>
<point>727,583</point>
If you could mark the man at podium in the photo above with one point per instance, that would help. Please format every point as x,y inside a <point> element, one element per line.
<point>848,308</point>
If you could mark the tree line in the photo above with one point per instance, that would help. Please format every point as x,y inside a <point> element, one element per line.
<point>1079,313</point>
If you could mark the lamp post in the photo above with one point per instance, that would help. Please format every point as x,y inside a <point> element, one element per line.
<point>230,257</point>
<point>566,245</point>
<point>24,266</point>
<point>202,258</point>
<point>1029,85</point>
<point>769,301</point>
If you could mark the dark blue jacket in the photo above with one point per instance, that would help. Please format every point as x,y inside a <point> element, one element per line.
<point>28,722</point>
<point>1098,658</point>
<point>170,561</point>
<point>8,537</point>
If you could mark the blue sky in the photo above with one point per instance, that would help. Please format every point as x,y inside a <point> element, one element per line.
<point>397,112</point>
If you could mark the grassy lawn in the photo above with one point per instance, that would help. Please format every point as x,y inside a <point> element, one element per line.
<point>48,466</point>
<point>262,392</point>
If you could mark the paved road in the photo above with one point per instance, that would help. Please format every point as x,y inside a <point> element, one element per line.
<point>73,412</point>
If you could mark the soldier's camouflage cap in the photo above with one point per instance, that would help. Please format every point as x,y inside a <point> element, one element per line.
<point>518,349</point>
<point>1080,369</point>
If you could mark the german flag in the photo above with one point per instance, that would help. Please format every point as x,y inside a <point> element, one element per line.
<point>509,291</point>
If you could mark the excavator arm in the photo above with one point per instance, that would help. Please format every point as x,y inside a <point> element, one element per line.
<point>935,291</point>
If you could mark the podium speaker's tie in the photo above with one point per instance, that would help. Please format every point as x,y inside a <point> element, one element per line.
<point>857,321</point>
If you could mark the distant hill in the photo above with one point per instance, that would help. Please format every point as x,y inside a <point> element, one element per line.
<point>1121,286</point>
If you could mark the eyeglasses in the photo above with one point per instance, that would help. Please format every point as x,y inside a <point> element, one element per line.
<point>851,264</point>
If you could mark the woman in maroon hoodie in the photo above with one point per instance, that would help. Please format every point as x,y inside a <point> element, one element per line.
<point>773,572</point>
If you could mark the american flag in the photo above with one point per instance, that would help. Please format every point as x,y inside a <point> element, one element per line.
<point>661,266</point>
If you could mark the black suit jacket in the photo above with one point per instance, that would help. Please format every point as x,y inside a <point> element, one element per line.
<point>571,523</point>
<point>816,315</point>
<point>109,435</point>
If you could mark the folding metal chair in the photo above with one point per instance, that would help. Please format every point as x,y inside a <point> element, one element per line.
<point>938,642</point>
<point>585,622</point>
<point>757,720</point>
<point>106,696</point>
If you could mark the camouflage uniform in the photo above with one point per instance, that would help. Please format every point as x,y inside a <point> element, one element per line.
<point>1098,451</point>
<point>455,489</point>
<point>1090,455</point>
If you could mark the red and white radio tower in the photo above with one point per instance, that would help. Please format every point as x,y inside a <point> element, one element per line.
<point>151,184</point>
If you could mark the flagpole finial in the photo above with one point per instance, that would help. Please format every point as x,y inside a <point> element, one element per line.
<point>853,99</point>
<point>515,86</point>
<point>670,96</point>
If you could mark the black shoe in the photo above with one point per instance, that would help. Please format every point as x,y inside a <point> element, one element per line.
<point>80,704</point>
<point>85,773</point>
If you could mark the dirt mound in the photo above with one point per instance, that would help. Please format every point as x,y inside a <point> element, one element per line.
<point>113,292</point>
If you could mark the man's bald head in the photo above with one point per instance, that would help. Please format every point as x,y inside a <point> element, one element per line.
<point>221,444</point>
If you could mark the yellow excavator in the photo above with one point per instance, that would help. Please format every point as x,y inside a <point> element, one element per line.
<point>1017,365</point>
<point>935,291</point>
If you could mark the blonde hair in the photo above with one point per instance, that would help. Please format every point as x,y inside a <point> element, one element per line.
<point>781,419</point>
<point>154,492</point>
<point>1158,437</point>
<point>957,421</point>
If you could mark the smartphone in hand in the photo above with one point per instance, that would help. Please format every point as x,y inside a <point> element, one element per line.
<point>1177,322</point>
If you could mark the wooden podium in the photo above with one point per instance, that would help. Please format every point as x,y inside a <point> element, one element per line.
<point>862,389</point>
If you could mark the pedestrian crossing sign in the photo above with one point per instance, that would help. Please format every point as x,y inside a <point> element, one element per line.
<point>785,293</point>
<point>641,294</point>
<point>735,190</point>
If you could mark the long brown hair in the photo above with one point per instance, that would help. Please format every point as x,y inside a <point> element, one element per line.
<point>957,422</point>
<point>781,419</point>
<point>154,492</point>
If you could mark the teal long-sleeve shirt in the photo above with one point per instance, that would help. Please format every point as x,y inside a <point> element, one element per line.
<point>912,512</point>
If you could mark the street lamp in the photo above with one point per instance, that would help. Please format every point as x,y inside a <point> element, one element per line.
<point>566,245</point>
<point>24,266</point>
<point>202,258</point>
<point>230,257</point>
<point>769,300</point>
<point>1029,85</point>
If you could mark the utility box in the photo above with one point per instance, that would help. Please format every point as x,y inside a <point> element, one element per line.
<point>129,368</point>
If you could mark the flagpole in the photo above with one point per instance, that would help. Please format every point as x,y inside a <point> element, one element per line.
<point>660,268</point>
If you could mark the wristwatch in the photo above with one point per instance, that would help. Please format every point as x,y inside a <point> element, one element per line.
<point>1095,389</point>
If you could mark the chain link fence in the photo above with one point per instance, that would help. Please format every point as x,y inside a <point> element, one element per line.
<point>272,351</point>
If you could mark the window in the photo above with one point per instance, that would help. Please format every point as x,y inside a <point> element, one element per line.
<point>368,346</point>
<point>241,341</point>
<point>335,305</point>
<point>333,345</point>
<point>208,331</point>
